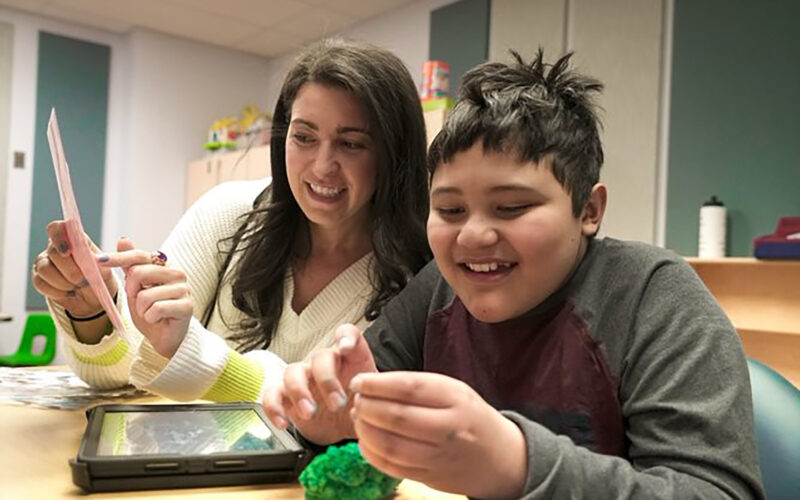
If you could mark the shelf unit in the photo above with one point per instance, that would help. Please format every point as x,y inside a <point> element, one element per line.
<point>216,168</point>
<point>762,300</point>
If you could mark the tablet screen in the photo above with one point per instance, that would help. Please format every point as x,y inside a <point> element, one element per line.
<point>197,432</point>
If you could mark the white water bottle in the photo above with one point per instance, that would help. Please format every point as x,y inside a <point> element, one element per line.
<point>713,216</point>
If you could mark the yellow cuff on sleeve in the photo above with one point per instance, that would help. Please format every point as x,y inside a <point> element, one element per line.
<point>241,380</point>
<point>108,358</point>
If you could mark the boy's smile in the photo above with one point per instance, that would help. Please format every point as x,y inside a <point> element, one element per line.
<point>503,232</point>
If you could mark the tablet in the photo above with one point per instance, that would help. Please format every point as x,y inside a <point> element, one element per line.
<point>135,447</point>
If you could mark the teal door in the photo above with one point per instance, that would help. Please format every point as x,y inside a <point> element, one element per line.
<point>73,77</point>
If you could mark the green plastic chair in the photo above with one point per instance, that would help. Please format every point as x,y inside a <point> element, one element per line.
<point>36,324</point>
<point>776,406</point>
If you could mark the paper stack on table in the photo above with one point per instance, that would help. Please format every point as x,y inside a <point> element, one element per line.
<point>59,389</point>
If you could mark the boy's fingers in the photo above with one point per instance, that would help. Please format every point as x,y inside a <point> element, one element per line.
<point>57,233</point>
<point>354,349</point>
<point>420,423</point>
<point>387,465</point>
<point>276,406</point>
<point>296,381</point>
<point>415,388</point>
<point>325,371</point>
<point>401,449</point>
<point>346,336</point>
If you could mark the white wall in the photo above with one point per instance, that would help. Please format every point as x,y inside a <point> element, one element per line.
<point>619,43</point>
<point>6,47</point>
<point>404,31</point>
<point>164,94</point>
<point>177,88</point>
<point>526,25</point>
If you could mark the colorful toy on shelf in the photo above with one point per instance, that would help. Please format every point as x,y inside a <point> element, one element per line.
<point>223,134</point>
<point>341,473</point>
<point>255,126</point>
<point>435,80</point>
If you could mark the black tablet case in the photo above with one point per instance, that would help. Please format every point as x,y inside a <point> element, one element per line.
<point>139,472</point>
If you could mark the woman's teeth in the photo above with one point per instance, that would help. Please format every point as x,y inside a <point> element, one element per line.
<point>486,267</point>
<point>325,191</point>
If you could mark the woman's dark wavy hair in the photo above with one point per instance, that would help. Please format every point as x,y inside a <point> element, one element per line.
<point>534,110</point>
<point>275,233</point>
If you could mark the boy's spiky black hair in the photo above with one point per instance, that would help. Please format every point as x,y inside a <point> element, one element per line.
<point>533,110</point>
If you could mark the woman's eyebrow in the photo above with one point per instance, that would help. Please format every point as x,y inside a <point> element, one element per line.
<point>339,130</point>
<point>360,130</point>
<point>300,121</point>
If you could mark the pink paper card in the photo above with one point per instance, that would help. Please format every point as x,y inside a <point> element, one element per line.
<point>83,255</point>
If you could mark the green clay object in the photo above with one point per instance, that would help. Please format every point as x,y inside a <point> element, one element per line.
<point>341,473</point>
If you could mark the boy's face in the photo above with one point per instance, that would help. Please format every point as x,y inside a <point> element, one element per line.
<point>503,233</point>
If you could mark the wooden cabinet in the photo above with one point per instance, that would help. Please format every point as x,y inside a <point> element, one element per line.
<point>258,163</point>
<point>201,176</point>
<point>762,299</point>
<point>206,173</point>
<point>434,120</point>
<point>435,112</point>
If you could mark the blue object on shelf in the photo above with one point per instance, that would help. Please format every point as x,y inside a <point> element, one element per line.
<point>37,324</point>
<point>784,243</point>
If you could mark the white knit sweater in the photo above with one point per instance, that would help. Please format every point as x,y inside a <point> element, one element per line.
<point>205,365</point>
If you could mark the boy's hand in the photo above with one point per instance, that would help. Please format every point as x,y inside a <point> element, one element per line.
<point>313,395</point>
<point>437,430</point>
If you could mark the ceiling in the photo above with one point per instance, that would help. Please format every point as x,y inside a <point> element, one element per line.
<point>264,27</point>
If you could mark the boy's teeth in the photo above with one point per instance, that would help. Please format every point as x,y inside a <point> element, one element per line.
<point>485,268</point>
<point>325,191</point>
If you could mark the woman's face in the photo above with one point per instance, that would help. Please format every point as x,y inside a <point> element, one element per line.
<point>331,158</point>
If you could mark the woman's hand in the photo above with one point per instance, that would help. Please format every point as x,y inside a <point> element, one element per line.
<point>437,430</point>
<point>158,296</point>
<point>313,395</point>
<point>57,276</point>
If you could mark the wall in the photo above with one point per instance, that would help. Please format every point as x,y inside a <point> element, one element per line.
<point>6,47</point>
<point>177,88</point>
<point>619,42</point>
<point>526,25</point>
<point>404,31</point>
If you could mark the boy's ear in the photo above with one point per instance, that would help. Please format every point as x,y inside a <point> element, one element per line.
<point>595,208</point>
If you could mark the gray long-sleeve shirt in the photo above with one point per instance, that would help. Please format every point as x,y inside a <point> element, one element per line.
<point>628,382</point>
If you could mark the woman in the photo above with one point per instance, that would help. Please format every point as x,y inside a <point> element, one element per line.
<point>335,235</point>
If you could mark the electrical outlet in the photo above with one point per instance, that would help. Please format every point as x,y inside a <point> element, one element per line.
<point>19,159</point>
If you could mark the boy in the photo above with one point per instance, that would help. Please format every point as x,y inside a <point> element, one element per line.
<point>542,362</point>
